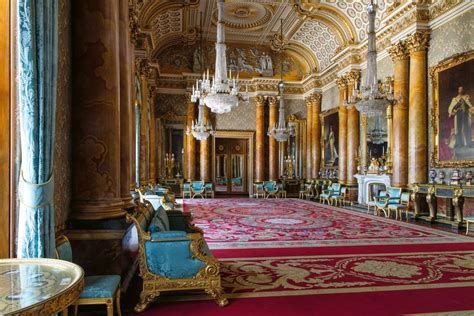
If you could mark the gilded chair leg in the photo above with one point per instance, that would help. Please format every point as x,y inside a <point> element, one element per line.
<point>76,307</point>
<point>145,300</point>
<point>110,308</point>
<point>218,295</point>
<point>117,301</point>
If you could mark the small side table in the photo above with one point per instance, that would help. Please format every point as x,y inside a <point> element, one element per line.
<point>469,219</point>
<point>38,286</point>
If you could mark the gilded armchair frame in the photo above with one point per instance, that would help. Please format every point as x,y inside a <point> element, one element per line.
<point>207,279</point>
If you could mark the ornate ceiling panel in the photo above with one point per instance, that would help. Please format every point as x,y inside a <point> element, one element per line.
<point>168,22</point>
<point>245,15</point>
<point>320,39</point>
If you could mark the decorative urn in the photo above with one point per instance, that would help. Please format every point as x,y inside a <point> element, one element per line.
<point>468,177</point>
<point>456,177</point>
<point>442,176</point>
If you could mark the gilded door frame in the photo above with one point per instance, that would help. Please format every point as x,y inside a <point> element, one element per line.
<point>250,161</point>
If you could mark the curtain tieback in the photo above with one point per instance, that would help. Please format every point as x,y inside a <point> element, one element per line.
<point>36,195</point>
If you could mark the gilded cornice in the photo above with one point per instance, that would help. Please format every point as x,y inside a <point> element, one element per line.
<point>187,97</point>
<point>442,6</point>
<point>418,42</point>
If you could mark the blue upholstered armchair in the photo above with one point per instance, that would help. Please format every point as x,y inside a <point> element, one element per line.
<point>173,255</point>
<point>271,188</point>
<point>209,190</point>
<point>333,191</point>
<point>259,190</point>
<point>198,188</point>
<point>382,203</point>
<point>187,191</point>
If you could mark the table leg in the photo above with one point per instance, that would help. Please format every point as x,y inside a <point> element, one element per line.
<point>431,200</point>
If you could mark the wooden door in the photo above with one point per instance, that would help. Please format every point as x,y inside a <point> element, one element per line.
<point>231,166</point>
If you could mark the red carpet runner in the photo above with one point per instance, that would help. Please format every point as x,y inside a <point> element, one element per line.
<point>292,257</point>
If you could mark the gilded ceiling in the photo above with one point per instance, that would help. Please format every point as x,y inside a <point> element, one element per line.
<point>315,32</point>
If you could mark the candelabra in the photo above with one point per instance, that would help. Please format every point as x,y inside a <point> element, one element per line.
<point>169,164</point>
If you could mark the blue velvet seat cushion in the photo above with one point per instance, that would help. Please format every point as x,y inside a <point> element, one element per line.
<point>171,234</point>
<point>100,286</point>
<point>172,259</point>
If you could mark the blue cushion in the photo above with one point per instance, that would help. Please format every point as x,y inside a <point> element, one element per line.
<point>100,286</point>
<point>172,259</point>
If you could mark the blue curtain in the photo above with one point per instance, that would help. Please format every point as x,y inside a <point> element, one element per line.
<point>37,48</point>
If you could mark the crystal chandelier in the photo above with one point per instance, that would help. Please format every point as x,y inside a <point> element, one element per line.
<point>199,129</point>
<point>280,131</point>
<point>373,98</point>
<point>220,93</point>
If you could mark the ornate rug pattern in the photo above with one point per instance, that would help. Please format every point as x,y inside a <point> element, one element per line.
<point>309,275</point>
<point>282,223</point>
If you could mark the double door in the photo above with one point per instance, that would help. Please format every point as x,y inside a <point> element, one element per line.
<point>231,166</point>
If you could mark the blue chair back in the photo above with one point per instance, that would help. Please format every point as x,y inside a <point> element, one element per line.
<point>186,186</point>
<point>405,198</point>
<point>336,188</point>
<point>394,192</point>
<point>64,249</point>
<point>198,185</point>
<point>209,187</point>
<point>269,185</point>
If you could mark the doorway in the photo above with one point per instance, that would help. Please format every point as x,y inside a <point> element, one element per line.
<point>232,163</point>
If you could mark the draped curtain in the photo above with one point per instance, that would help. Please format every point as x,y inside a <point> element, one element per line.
<point>36,84</point>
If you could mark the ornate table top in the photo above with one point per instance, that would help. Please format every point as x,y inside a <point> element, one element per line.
<point>38,286</point>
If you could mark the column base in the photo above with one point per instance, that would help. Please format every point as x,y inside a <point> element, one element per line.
<point>97,210</point>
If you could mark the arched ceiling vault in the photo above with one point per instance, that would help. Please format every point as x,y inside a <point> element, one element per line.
<point>314,30</point>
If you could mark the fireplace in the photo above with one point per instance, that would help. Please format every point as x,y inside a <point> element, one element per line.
<point>370,185</point>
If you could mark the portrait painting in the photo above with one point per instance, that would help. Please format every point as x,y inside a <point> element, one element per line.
<point>330,137</point>
<point>453,112</point>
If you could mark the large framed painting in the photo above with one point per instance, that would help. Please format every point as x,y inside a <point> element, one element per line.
<point>452,117</point>
<point>330,137</point>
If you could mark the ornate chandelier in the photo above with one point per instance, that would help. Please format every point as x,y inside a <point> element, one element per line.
<point>374,97</point>
<point>280,131</point>
<point>199,129</point>
<point>220,93</point>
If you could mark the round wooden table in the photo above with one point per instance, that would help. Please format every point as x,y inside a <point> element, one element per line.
<point>38,286</point>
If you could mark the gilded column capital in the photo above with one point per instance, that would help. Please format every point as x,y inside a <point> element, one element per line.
<point>399,51</point>
<point>341,82</point>
<point>316,99</point>
<point>309,101</point>
<point>133,25</point>
<point>143,67</point>
<point>272,101</point>
<point>260,100</point>
<point>418,42</point>
<point>352,77</point>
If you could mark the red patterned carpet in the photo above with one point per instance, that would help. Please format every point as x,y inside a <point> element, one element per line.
<point>293,257</point>
<point>262,223</point>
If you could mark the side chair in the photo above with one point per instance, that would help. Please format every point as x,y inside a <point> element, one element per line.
<point>98,289</point>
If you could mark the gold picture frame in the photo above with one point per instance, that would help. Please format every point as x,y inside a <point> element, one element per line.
<point>441,142</point>
<point>324,115</point>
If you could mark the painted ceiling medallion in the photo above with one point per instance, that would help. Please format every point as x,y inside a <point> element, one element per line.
<point>238,15</point>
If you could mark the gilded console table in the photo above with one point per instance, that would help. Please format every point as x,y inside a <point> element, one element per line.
<point>38,286</point>
<point>455,195</point>
<point>292,186</point>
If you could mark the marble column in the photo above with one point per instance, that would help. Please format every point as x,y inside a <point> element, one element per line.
<point>204,160</point>
<point>400,57</point>
<point>418,109</point>
<point>342,84</point>
<point>126,129</point>
<point>316,135</point>
<point>96,169</point>
<point>353,129</point>
<point>260,140</point>
<point>191,141</point>
<point>144,71</point>
<point>152,132</point>
<point>272,143</point>
<point>309,137</point>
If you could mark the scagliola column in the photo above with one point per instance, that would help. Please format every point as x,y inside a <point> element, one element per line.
<point>316,135</point>
<point>353,129</point>
<point>417,108</point>
<point>133,33</point>
<point>96,185</point>
<point>152,144</point>
<point>272,143</point>
<point>126,129</point>
<point>342,165</point>
<point>309,137</point>
<point>204,161</point>
<point>400,57</point>
<point>191,142</point>
<point>260,140</point>
<point>144,71</point>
